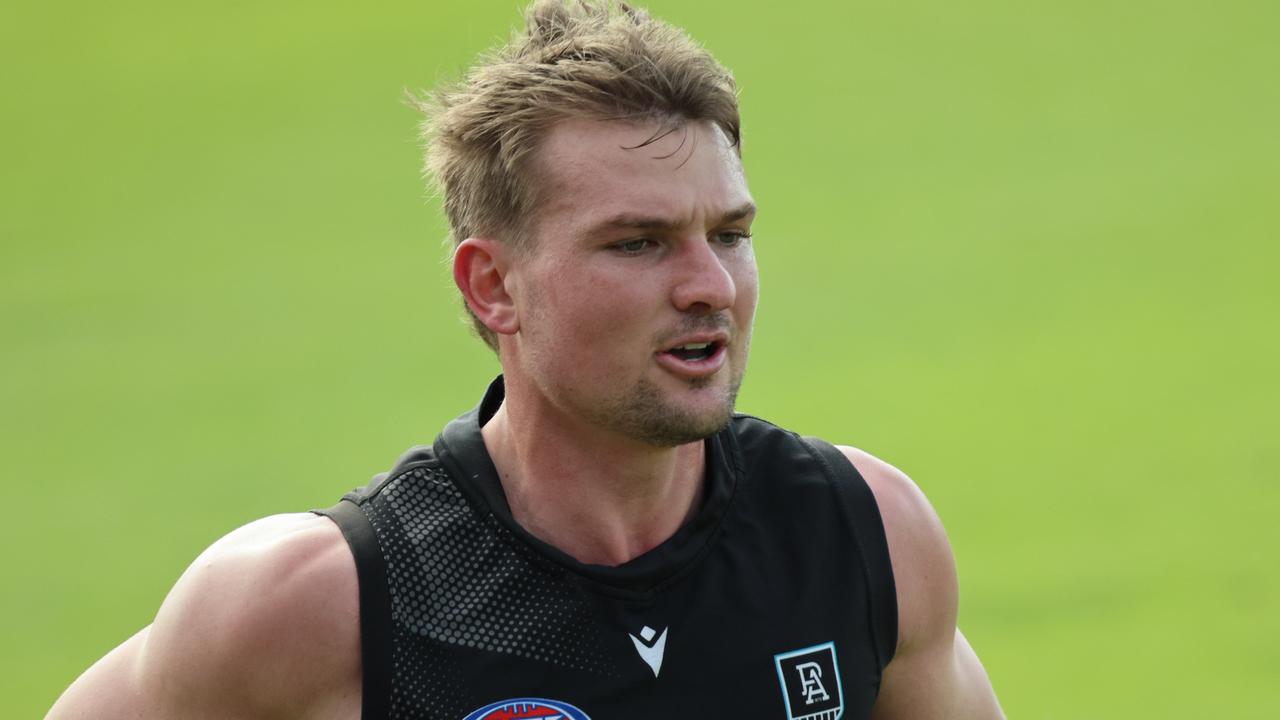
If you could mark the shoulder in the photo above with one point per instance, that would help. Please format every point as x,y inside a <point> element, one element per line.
<point>278,594</point>
<point>923,565</point>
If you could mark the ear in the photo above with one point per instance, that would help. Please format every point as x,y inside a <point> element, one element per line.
<point>480,272</point>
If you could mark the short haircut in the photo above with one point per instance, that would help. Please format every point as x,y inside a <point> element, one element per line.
<point>593,59</point>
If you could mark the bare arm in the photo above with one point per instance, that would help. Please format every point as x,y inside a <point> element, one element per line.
<point>934,675</point>
<point>264,624</point>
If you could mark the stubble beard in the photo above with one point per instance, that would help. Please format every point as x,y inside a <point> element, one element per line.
<point>643,413</point>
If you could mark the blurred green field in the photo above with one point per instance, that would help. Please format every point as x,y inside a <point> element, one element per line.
<point>1025,251</point>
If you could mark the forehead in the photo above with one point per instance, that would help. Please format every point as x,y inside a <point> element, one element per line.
<point>595,169</point>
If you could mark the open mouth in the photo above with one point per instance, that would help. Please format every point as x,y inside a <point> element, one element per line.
<point>693,352</point>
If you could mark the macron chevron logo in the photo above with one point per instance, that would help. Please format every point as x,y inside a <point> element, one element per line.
<point>651,645</point>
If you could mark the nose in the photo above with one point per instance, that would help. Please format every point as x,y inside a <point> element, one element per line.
<point>704,284</point>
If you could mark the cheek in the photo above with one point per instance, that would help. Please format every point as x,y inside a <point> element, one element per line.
<point>748,288</point>
<point>592,316</point>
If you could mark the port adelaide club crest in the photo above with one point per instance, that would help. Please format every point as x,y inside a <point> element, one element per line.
<point>528,709</point>
<point>810,682</point>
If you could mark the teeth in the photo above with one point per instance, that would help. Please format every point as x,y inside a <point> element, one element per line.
<point>695,346</point>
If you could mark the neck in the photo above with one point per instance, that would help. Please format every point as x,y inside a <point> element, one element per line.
<point>601,498</point>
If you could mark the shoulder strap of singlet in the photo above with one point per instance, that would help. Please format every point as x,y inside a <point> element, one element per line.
<point>873,547</point>
<point>375,607</point>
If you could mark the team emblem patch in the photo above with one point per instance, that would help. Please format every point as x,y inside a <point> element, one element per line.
<point>528,709</point>
<point>810,682</point>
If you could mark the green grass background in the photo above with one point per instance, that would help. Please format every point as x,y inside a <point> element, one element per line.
<point>1024,250</point>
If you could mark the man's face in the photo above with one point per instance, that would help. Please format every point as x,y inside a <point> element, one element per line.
<point>636,300</point>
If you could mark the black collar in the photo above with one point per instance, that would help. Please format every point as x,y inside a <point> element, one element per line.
<point>461,449</point>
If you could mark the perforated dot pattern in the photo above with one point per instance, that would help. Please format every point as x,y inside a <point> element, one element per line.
<point>462,583</point>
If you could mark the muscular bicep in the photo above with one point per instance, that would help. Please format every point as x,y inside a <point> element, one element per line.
<point>264,624</point>
<point>142,680</point>
<point>109,689</point>
<point>934,673</point>
<point>945,681</point>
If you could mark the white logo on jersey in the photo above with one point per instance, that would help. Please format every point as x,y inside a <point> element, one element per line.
<point>651,648</point>
<point>811,683</point>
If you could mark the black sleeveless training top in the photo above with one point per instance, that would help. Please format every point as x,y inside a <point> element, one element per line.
<point>776,601</point>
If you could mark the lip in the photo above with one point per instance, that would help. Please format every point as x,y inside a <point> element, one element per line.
<point>696,368</point>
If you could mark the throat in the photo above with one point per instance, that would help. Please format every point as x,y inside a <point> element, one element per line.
<point>602,514</point>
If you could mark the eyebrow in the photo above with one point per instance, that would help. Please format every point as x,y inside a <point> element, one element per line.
<point>628,221</point>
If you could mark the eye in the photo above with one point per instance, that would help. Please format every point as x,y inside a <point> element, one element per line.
<point>732,238</point>
<point>633,247</point>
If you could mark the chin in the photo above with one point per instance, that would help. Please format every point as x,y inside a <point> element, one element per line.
<point>669,419</point>
<point>676,430</point>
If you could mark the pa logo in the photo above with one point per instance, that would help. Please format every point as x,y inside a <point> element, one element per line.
<point>528,709</point>
<point>810,680</point>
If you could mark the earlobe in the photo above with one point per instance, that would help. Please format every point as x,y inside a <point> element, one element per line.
<point>480,272</point>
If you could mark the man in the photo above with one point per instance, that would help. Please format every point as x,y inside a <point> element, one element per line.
<point>602,537</point>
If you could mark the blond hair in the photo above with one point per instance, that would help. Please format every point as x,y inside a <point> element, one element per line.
<point>584,59</point>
